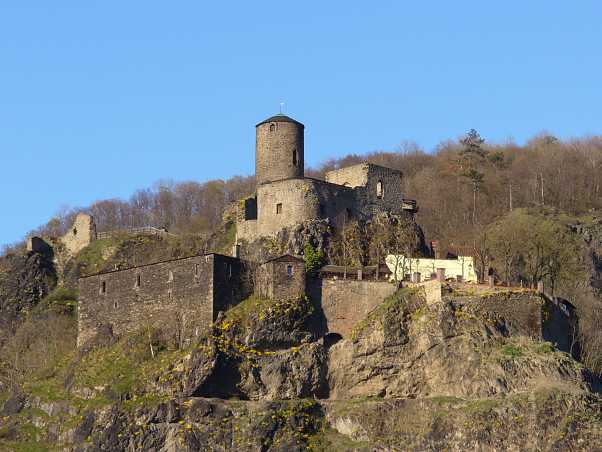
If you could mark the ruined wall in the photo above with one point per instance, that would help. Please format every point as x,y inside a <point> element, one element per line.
<point>276,142</point>
<point>346,302</point>
<point>391,193</point>
<point>188,292</point>
<point>377,188</point>
<point>80,235</point>
<point>38,245</point>
<point>350,176</point>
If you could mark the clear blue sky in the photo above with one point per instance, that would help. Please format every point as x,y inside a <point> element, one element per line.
<point>99,98</point>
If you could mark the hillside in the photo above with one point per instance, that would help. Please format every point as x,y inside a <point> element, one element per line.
<point>412,376</point>
<point>441,365</point>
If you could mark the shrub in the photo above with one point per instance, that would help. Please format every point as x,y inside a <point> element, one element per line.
<point>314,259</point>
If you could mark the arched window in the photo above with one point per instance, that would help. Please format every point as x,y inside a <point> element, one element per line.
<point>380,191</point>
<point>272,127</point>
<point>289,271</point>
<point>295,157</point>
<point>169,276</point>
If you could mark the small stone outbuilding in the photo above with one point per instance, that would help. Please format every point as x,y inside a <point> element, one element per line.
<point>281,278</point>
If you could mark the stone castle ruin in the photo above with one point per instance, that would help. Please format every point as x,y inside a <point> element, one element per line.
<point>187,294</point>
<point>284,197</point>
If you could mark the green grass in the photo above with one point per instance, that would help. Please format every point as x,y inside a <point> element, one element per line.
<point>512,351</point>
<point>245,308</point>
<point>91,257</point>
<point>228,239</point>
<point>395,301</point>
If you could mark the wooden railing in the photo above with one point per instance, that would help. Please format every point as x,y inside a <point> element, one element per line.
<point>146,230</point>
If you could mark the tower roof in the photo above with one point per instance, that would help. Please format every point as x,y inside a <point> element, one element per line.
<point>280,118</point>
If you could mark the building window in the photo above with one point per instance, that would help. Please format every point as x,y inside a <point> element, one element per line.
<point>103,287</point>
<point>279,208</point>
<point>138,281</point>
<point>169,276</point>
<point>169,295</point>
<point>295,158</point>
<point>380,192</point>
<point>272,127</point>
<point>115,304</point>
<point>289,271</point>
<point>196,269</point>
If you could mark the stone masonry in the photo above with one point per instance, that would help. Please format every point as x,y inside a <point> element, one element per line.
<point>183,293</point>
<point>80,235</point>
<point>281,278</point>
<point>285,197</point>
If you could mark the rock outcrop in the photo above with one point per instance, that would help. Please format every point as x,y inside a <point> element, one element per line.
<point>414,375</point>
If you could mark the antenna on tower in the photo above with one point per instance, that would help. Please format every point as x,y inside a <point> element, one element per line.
<point>281,106</point>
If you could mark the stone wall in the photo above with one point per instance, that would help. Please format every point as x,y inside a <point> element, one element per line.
<point>287,203</point>
<point>183,293</point>
<point>346,302</point>
<point>38,245</point>
<point>350,176</point>
<point>391,198</point>
<point>282,278</point>
<point>80,235</point>
<point>276,141</point>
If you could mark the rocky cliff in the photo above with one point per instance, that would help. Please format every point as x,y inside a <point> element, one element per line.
<point>412,376</point>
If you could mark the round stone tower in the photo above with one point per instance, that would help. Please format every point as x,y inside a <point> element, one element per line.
<point>278,149</point>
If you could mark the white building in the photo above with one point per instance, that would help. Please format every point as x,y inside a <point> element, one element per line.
<point>402,267</point>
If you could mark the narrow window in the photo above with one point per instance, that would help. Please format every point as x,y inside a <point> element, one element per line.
<point>295,157</point>
<point>115,305</point>
<point>138,281</point>
<point>289,271</point>
<point>272,127</point>
<point>74,231</point>
<point>379,189</point>
<point>279,208</point>
<point>170,276</point>
<point>230,271</point>
<point>169,295</point>
<point>103,287</point>
<point>196,269</point>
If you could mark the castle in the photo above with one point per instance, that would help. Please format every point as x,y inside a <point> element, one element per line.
<point>191,291</point>
<point>186,294</point>
<point>284,197</point>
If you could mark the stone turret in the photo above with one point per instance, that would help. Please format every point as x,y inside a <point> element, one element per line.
<point>279,152</point>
